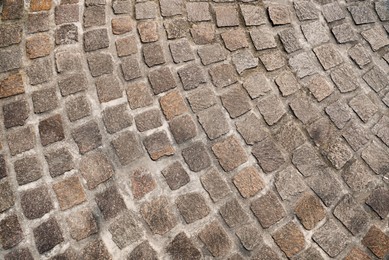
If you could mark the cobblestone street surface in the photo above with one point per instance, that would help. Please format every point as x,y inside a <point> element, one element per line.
<point>186,129</point>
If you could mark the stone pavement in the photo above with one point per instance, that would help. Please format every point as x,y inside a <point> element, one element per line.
<point>178,129</point>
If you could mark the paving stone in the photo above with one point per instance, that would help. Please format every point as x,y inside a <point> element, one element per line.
<point>94,16</point>
<point>158,215</point>
<point>249,236</point>
<point>146,10</point>
<point>192,207</point>
<point>378,202</point>
<point>96,39</point>
<point>68,61</point>
<point>356,254</point>
<point>279,14</point>
<point>162,80</point>
<point>51,130</point>
<point>328,56</point>
<point>121,25</point>
<point>229,153</point>
<point>337,152</point>
<point>148,31</point>
<point>236,101</point>
<point>143,251</point>
<point>198,11</point>
<point>95,168</point>
<point>325,186</point>
<point>235,257</point>
<point>116,118</point>
<point>358,177</point>
<point>302,64</point>
<point>377,241</point>
<point>265,252</point>
<point>233,213</point>
<point>126,46</point>
<point>263,39</point>
<point>271,109</point>
<point>11,232</point>
<point>376,78</point>
<point>290,136</point>
<point>345,78</point>
<point>315,33</point>
<point>359,55</point>
<point>309,211</point>
<point>176,28</point>
<point>244,60</point>
<point>385,99</point>
<point>69,192</point>
<point>173,105</point>
<point>11,85</point>
<point>272,60</point>
<point>381,8</point>
<point>381,129</point>
<point>12,10</point>
<point>153,54</point>
<point>3,167</point>
<point>182,247</point>
<point>72,84</point>
<point>235,39</point>
<point>141,183</point>
<point>10,58</point>
<point>253,15</point>
<point>68,34</point>
<point>214,184</point>
<point>108,88</point>
<point>125,230</point>
<point>27,169</point>
<point>15,113</point>
<point>171,7</point>
<point>191,76</point>
<point>213,121</point>
<point>59,161</point>
<point>201,99</point>
<point>87,136</point>
<point>203,33</point>
<point>21,140</point>
<point>333,12</point>
<point>40,71</point>
<point>331,238</point>
<point>226,16</point>
<point>248,182</point>
<point>139,95</point>
<point>251,129</point>
<point>19,253</point>
<point>183,128</point>
<point>376,38</point>
<point>363,106</point>
<point>344,33</point>
<point>36,202</point>
<point>66,14</point>
<point>212,53</point>
<point>268,209</point>
<point>355,135</point>
<point>290,239</point>
<point>10,34</point>
<point>100,64</point>
<point>289,39</point>
<point>320,87</point>
<point>310,253</point>
<point>110,202</point>
<point>361,13</point>
<point>158,145</point>
<point>215,239</point>
<point>289,183</point>
<point>181,51</point>
<point>307,160</point>
<point>127,147</point>
<point>77,107</point>
<point>96,249</point>
<point>82,224</point>
<point>175,175</point>
<point>47,235</point>
<point>36,5</point>
<point>306,10</point>
<point>256,85</point>
<point>339,113</point>
<point>268,155</point>
<point>44,100</point>
<point>287,83</point>
<point>322,131</point>
<point>7,198</point>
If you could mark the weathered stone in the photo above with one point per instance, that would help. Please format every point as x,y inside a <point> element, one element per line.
<point>264,252</point>
<point>214,184</point>
<point>125,230</point>
<point>201,99</point>
<point>226,16</point>
<point>3,167</point>
<point>59,161</point>
<point>203,33</point>
<point>377,241</point>
<point>66,13</point>
<point>248,182</point>
<point>229,153</point>
<point>309,211</point>
<point>126,46</point>
<point>40,71</point>
<point>268,209</point>
<point>47,235</point>
<point>344,33</point>
<point>191,76</point>
<point>235,39</point>
<point>162,80</point>
<point>357,254</point>
<point>67,34</point>
<point>12,10</point>
<point>290,136</point>
<point>77,108</point>
<point>306,10</point>
<point>251,129</point>
<point>358,177</point>
<point>51,130</point>
<point>223,75</point>
<point>289,183</point>
<point>198,11</point>
<point>158,215</point>
<point>256,85</point>
<point>302,64</point>
<point>279,14</point>
<point>116,118</point>
<point>127,147</point>
<point>95,169</point>
<point>236,101</point>
<point>21,140</point>
<point>272,60</point>
<point>315,33</point>
<point>15,113</point>
<point>361,13</point>
<point>158,145</point>
<point>121,25</point>
<point>44,100</point>
<point>271,109</point>
<point>94,15</point>
<point>148,120</point>
<point>108,88</point>
<point>175,175</point>
<point>355,135</point>
<point>10,34</point>
<point>215,239</point>
<point>360,56</point>
<point>7,199</point>
<point>345,78</point>
<point>212,53</point>
<point>96,250</point>
<point>376,37</point>
<point>11,232</point>
<point>253,15</point>
<point>176,28</point>
<point>307,160</point>
<point>181,51</point>
<point>333,12</point>
<point>249,236</point>
<point>363,106</point>
<point>320,87</point>
<point>183,128</point>
<point>290,239</point>
<point>11,85</point>
<point>153,54</point>
<point>110,202</point>
<point>233,213</point>
<point>376,78</point>
<point>171,7</point>
<point>310,253</point>
<point>87,136</point>
<point>148,31</point>
<point>192,207</point>
<point>213,122</point>
<point>287,83</point>
<point>378,201</point>
<point>339,113</point>
<point>96,39</point>
<point>244,60</point>
<point>182,247</point>
<point>268,155</point>
<point>376,157</point>
<point>143,251</point>
<point>69,192</point>
<point>82,224</point>
<point>72,84</point>
<point>18,254</point>
<point>27,170</point>
<point>173,105</point>
<point>139,95</point>
<point>290,40</point>
<point>36,202</point>
<point>145,10</point>
<point>263,39</point>
<point>100,63</point>
<point>10,58</point>
<point>328,56</point>
<point>43,5</point>
<point>141,183</point>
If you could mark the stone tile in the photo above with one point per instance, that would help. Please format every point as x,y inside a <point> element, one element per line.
<point>143,251</point>
<point>235,39</point>
<point>77,108</point>
<point>378,202</point>
<point>310,253</point>
<point>192,207</point>
<point>268,155</point>
<point>230,153</point>
<point>96,39</point>
<point>214,184</point>
<point>162,80</point>
<point>149,119</point>
<point>7,199</point>
<point>11,233</point>
<point>176,28</point>
<point>148,31</point>
<point>126,45</point>
<point>328,56</point>
<point>279,14</point>
<point>357,254</point>
<point>252,87</point>
<point>12,10</point>
<point>183,128</point>
<point>339,113</point>
<point>213,121</point>
<point>309,211</point>
<point>142,183</point>
<point>40,71</point>
<point>69,192</point>
<point>290,136</point>
<point>196,157</point>
<point>363,106</point>
<point>19,253</point>
<point>248,182</point>
<point>236,257</point>
<point>361,13</point>
<point>382,10</point>
<point>44,100</point>
<point>100,63</point>
<point>82,224</point>
<point>72,84</point>
<point>244,60</point>
<point>146,10</point>
<point>307,160</point>
<point>68,34</point>
<point>66,13</point>
<point>290,40</point>
<point>376,78</point>
<point>271,109</point>
<point>3,167</point>
<point>182,247</point>
<point>110,202</point>
<point>158,215</point>
<point>203,33</point>
<point>249,236</point>
<point>173,104</point>
<point>21,140</point>
<point>96,250</point>
<point>263,39</point>
<point>290,239</point>
<point>226,16</point>
<point>358,177</point>
<point>130,68</point>
<point>251,129</point>
<point>322,131</point>
<point>171,7</point>
<point>303,65</point>
<point>268,209</point>
<point>253,15</point>
<point>287,83</point>
<point>345,78</point>
<point>127,147</point>
<point>344,33</point>
<point>355,135</point>
<point>139,95</point>
<point>181,51</point>
<point>15,113</point>
<point>338,152</point>
<point>359,55</point>
<point>125,230</point>
<point>94,16</point>
<point>116,118</point>
<point>198,11</point>
<point>51,130</point>
<point>320,87</point>
<point>306,10</point>
<point>47,235</point>
<point>236,101</point>
<point>10,58</point>
<point>158,145</point>
<point>201,99</point>
<point>122,25</point>
<point>233,213</point>
<point>11,85</point>
<point>289,183</point>
<point>212,53</point>
<point>10,34</point>
<point>333,12</point>
<point>36,202</point>
<point>191,76</point>
<point>325,186</point>
<point>272,60</point>
<point>377,241</point>
<point>27,169</point>
<point>265,252</point>
<point>153,54</point>
<point>215,239</point>
<point>376,37</point>
<point>315,33</point>
<point>36,5</point>
<point>376,157</point>
<point>95,168</point>
<point>175,175</point>
<point>87,136</point>
<point>59,161</point>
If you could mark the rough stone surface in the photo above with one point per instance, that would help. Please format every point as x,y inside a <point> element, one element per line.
<point>69,192</point>
<point>192,207</point>
<point>143,251</point>
<point>36,202</point>
<point>110,202</point>
<point>274,210</point>
<point>48,235</point>
<point>182,247</point>
<point>158,215</point>
<point>290,239</point>
<point>51,130</point>
<point>125,230</point>
<point>27,170</point>
<point>10,232</point>
<point>175,176</point>
<point>377,241</point>
<point>268,155</point>
<point>233,213</point>
<point>158,145</point>
<point>142,183</point>
<point>214,184</point>
<point>248,181</point>
<point>213,121</point>
<point>127,147</point>
<point>87,137</point>
<point>82,224</point>
<point>215,239</point>
<point>309,211</point>
<point>229,153</point>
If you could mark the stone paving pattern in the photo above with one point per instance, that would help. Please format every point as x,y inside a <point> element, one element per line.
<point>179,129</point>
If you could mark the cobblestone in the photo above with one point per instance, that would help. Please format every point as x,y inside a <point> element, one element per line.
<point>36,202</point>
<point>275,211</point>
